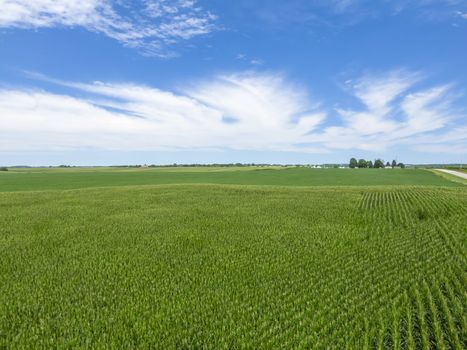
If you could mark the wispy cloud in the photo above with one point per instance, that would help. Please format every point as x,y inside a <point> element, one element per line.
<point>431,10</point>
<point>252,61</point>
<point>237,111</point>
<point>241,111</point>
<point>395,113</point>
<point>340,13</point>
<point>154,26</point>
<point>256,62</point>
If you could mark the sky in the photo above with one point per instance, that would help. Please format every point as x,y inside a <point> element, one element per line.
<point>106,82</point>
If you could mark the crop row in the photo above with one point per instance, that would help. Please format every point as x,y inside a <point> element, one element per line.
<point>235,267</point>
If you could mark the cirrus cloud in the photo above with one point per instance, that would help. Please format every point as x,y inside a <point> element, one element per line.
<point>396,113</point>
<point>237,111</point>
<point>152,26</point>
<point>240,111</point>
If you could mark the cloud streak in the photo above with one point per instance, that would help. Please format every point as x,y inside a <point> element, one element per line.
<point>154,26</point>
<point>341,13</point>
<point>240,111</point>
<point>396,113</point>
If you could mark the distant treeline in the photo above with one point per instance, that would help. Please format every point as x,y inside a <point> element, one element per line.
<point>354,163</point>
<point>226,165</point>
<point>378,163</point>
<point>218,165</point>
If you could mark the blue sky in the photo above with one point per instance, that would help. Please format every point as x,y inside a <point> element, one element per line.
<point>96,82</point>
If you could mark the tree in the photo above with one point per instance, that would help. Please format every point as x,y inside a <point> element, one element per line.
<point>388,165</point>
<point>353,163</point>
<point>379,163</point>
<point>362,163</point>
<point>3,168</point>
<point>393,164</point>
<point>401,165</point>
<point>370,164</point>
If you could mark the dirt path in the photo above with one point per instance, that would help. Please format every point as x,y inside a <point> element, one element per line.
<point>453,172</point>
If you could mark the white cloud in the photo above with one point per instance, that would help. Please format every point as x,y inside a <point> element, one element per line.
<point>153,27</point>
<point>242,111</point>
<point>252,61</point>
<point>392,115</point>
<point>256,62</point>
<point>377,92</point>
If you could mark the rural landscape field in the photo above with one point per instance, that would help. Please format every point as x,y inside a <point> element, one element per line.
<point>246,174</point>
<point>232,258</point>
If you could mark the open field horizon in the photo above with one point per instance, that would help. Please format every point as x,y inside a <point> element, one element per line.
<point>248,174</point>
<point>363,259</point>
<point>74,178</point>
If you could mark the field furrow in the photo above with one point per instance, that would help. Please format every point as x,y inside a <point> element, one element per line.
<point>225,267</point>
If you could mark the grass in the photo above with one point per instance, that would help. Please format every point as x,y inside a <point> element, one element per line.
<point>235,266</point>
<point>450,177</point>
<point>61,179</point>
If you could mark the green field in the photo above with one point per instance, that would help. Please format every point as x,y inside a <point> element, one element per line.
<point>232,258</point>
<point>69,178</point>
<point>450,177</point>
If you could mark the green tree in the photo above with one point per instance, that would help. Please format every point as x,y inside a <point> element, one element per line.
<point>379,163</point>
<point>393,164</point>
<point>370,164</point>
<point>388,164</point>
<point>3,168</point>
<point>362,163</point>
<point>353,163</point>
<point>401,165</point>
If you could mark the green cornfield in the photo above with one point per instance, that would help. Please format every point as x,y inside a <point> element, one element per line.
<point>234,266</point>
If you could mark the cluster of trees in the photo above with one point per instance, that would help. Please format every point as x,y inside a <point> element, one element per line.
<point>3,168</point>
<point>378,163</point>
